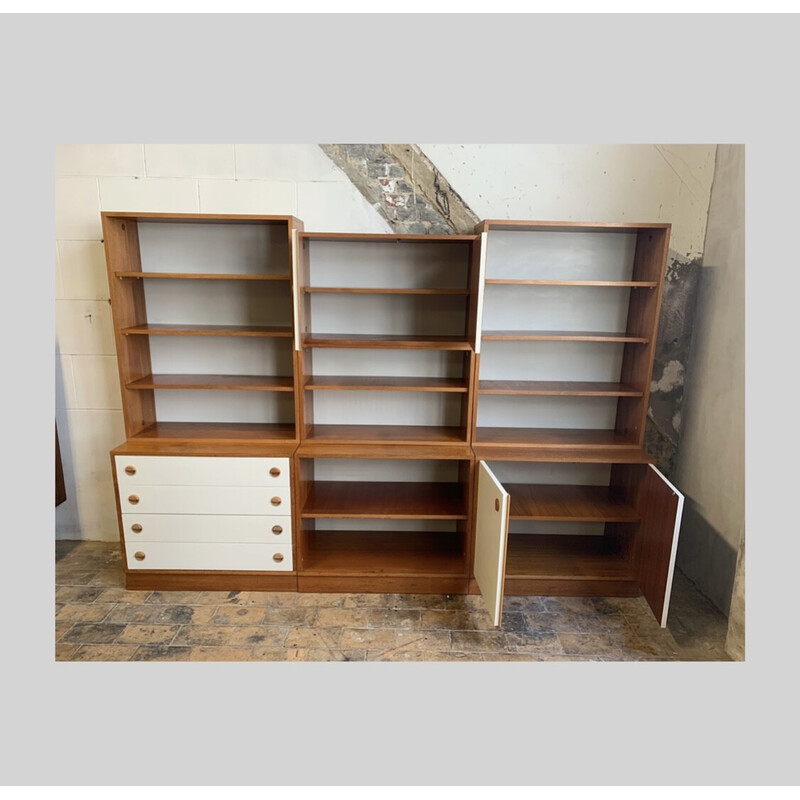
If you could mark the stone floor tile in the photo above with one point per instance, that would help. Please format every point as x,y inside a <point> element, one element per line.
<point>287,616</point>
<point>424,640</point>
<point>230,635</point>
<point>205,653</point>
<point>523,603</point>
<point>74,578</point>
<point>472,641</point>
<point>79,594</point>
<point>160,614</point>
<point>238,615</point>
<point>115,594</point>
<point>161,652</point>
<point>578,605</point>
<point>313,638</point>
<point>321,599</point>
<point>148,634</point>
<point>469,602</point>
<point>342,617</point>
<point>614,646</point>
<point>64,652</point>
<point>369,638</point>
<point>104,652</point>
<point>509,656</point>
<point>175,598</point>
<point>108,577</point>
<point>84,612</point>
<point>419,655</point>
<point>449,619</point>
<point>602,623</point>
<point>391,618</point>
<point>92,633</point>
<point>417,601</point>
<point>540,643</point>
<point>322,654</point>
<point>367,600</point>
<point>62,628</point>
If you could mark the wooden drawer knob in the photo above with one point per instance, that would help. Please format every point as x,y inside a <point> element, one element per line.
<point>136,528</point>
<point>274,472</point>
<point>276,501</point>
<point>277,557</point>
<point>496,505</point>
<point>139,555</point>
<point>276,529</point>
<point>133,499</point>
<point>130,470</point>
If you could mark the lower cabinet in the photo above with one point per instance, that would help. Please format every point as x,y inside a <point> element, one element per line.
<point>448,525</point>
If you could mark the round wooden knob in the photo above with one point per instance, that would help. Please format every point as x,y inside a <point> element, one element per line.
<point>136,528</point>
<point>277,557</point>
<point>133,499</point>
<point>274,472</point>
<point>276,501</point>
<point>130,470</point>
<point>139,555</point>
<point>276,529</point>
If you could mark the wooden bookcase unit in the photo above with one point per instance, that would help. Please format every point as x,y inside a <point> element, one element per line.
<point>566,491</point>
<point>381,412</point>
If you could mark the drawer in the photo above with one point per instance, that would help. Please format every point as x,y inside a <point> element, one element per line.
<point>206,528</point>
<point>274,501</point>
<point>209,556</point>
<point>201,471</point>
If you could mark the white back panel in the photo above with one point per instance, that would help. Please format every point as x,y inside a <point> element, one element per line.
<point>405,363</point>
<point>399,265</point>
<point>220,355</point>
<point>540,255</point>
<point>387,408</point>
<point>523,411</point>
<point>249,249</point>
<point>400,469</point>
<point>552,473</point>
<point>431,525</point>
<point>532,527</point>
<point>199,405</point>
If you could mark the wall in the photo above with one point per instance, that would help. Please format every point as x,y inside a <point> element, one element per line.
<point>710,464</point>
<point>560,182</point>
<point>247,179</point>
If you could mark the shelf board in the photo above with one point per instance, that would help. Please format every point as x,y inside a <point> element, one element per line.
<point>559,388</point>
<point>205,432</point>
<point>391,238</point>
<point>385,500</point>
<point>607,284</point>
<point>386,434</point>
<point>387,341</point>
<point>552,438</point>
<point>565,557</point>
<point>257,383</point>
<point>201,276</point>
<point>561,336</point>
<point>384,383</point>
<point>366,290</point>
<point>208,330</point>
<point>383,553</point>
<point>568,503</point>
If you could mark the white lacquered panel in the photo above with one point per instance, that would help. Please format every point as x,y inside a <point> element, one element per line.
<point>201,471</point>
<point>229,528</point>
<point>209,556</point>
<point>256,500</point>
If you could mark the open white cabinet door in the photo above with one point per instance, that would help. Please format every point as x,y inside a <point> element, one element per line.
<point>660,508</point>
<point>491,538</point>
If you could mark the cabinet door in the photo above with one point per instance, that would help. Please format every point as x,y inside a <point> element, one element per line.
<point>660,508</point>
<point>491,537</point>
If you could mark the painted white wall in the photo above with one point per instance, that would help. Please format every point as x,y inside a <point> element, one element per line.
<point>590,183</point>
<point>223,178</point>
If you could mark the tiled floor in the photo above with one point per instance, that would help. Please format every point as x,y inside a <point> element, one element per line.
<point>98,620</point>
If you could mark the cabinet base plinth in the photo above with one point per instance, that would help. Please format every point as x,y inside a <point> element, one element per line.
<point>211,581</point>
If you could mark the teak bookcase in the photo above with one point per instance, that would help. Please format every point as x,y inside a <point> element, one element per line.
<point>379,412</point>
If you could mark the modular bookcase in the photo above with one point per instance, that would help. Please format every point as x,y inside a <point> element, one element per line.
<point>380,412</point>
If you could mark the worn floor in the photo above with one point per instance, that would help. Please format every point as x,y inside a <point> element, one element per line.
<point>96,619</point>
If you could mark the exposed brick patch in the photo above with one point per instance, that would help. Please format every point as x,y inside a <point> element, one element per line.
<point>404,186</point>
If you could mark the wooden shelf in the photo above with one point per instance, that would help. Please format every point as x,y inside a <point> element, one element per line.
<point>605,284</point>
<point>561,336</point>
<point>386,434</point>
<point>216,431</point>
<point>208,330</point>
<point>198,276</point>
<point>422,238</point>
<point>552,438</point>
<point>384,383</point>
<point>559,388</point>
<point>257,383</point>
<point>393,341</point>
<point>568,503</point>
<point>383,553</point>
<point>385,500</point>
<point>365,290</point>
<point>566,557</point>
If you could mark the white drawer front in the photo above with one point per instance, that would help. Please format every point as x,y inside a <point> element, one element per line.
<point>206,528</point>
<point>201,471</point>
<point>209,556</point>
<point>274,501</point>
